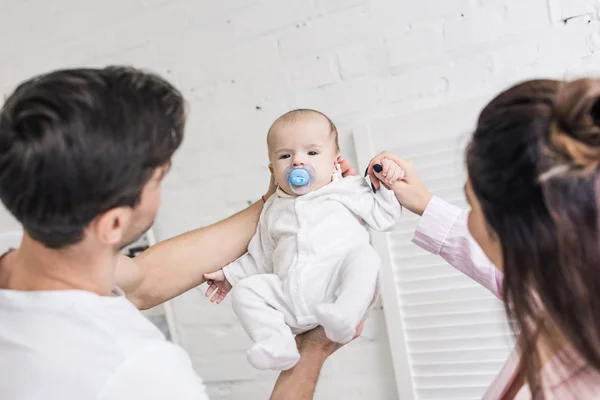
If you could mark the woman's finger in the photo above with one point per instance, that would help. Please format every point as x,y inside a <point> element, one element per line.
<point>372,174</point>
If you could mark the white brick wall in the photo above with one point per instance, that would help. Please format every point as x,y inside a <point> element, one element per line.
<point>241,63</point>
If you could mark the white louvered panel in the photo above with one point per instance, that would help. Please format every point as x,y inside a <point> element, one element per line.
<point>449,336</point>
<point>456,334</point>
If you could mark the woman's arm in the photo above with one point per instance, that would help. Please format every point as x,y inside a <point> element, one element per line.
<point>442,229</point>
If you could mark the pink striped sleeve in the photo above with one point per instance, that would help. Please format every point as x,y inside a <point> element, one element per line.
<point>443,230</point>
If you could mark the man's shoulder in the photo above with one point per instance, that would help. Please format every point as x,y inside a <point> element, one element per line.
<point>79,320</point>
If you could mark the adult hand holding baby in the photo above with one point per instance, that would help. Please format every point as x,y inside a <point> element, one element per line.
<point>408,188</point>
<point>272,187</point>
<point>345,167</point>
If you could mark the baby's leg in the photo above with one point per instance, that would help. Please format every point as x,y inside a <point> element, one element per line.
<point>261,306</point>
<point>359,274</point>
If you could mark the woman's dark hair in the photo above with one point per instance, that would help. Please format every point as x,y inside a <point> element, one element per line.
<point>533,165</point>
<point>76,143</point>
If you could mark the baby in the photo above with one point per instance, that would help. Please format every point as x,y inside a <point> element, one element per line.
<point>310,262</point>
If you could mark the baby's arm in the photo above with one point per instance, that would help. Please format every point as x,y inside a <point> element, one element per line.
<point>379,209</point>
<point>221,282</point>
<point>243,267</point>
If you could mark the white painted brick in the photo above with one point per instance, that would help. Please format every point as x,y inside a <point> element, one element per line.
<point>566,45</point>
<point>345,97</point>
<point>313,71</point>
<point>471,27</point>
<point>574,8</point>
<point>7,221</point>
<point>515,56</point>
<point>249,58</point>
<point>392,17</point>
<point>368,57</point>
<point>352,62</point>
<point>594,42</point>
<point>420,41</point>
<point>325,32</point>
<point>223,338</point>
<point>428,81</point>
<point>479,25</point>
<point>229,367</point>
<point>269,16</point>
<point>328,6</point>
<point>525,15</point>
<point>188,208</point>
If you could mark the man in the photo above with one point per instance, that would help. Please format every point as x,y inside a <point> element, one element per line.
<point>82,156</point>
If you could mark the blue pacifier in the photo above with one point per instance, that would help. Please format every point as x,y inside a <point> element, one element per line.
<point>300,179</point>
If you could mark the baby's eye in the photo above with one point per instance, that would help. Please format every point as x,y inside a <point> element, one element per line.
<point>284,156</point>
<point>312,153</point>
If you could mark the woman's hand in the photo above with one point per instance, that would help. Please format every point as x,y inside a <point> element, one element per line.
<point>410,190</point>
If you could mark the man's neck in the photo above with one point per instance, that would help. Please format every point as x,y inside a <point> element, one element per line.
<point>34,267</point>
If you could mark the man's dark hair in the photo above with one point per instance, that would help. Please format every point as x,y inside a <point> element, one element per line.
<point>76,143</point>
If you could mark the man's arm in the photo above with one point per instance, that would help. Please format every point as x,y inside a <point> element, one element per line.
<point>300,382</point>
<point>174,266</point>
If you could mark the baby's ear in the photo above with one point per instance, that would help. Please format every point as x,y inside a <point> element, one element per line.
<point>271,167</point>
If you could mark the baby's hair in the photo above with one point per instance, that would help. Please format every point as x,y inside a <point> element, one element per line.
<point>301,113</point>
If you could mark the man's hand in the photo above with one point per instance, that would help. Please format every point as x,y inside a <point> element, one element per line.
<point>217,281</point>
<point>272,187</point>
<point>346,168</point>
<point>299,383</point>
<point>317,340</point>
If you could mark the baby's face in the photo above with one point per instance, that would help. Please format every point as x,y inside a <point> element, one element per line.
<point>308,141</point>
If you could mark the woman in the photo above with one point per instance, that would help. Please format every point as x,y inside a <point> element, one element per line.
<point>533,173</point>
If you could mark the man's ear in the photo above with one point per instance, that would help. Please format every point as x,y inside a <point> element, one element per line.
<point>110,226</point>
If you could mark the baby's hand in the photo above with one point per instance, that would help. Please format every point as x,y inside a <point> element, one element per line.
<point>390,172</point>
<point>217,281</point>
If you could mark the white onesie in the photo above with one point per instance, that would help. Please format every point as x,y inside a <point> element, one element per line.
<point>310,263</point>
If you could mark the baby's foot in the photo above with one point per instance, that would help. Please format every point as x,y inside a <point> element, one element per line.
<point>337,328</point>
<point>273,354</point>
